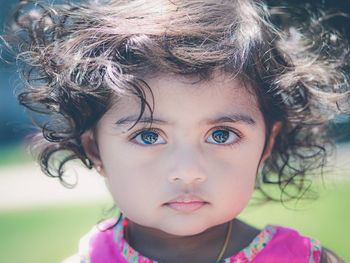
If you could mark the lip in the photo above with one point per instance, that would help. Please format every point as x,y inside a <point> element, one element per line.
<point>186,203</point>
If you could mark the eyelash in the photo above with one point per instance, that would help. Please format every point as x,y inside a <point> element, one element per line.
<point>230,129</point>
<point>137,133</point>
<point>225,128</point>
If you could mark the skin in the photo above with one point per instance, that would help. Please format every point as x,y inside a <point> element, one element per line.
<point>186,159</point>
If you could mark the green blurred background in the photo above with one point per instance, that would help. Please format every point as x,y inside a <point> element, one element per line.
<point>41,222</point>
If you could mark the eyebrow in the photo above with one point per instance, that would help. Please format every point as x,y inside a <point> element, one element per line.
<point>132,120</point>
<point>236,117</point>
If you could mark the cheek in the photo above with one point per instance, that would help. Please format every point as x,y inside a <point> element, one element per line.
<point>235,176</point>
<point>238,165</point>
<point>130,180</point>
<point>235,190</point>
<point>236,180</point>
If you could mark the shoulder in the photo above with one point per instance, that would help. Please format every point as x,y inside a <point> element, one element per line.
<point>288,243</point>
<point>294,238</point>
<point>328,256</point>
<point>317,253</point>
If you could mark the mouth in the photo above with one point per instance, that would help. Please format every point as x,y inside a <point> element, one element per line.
<point>186,204</point>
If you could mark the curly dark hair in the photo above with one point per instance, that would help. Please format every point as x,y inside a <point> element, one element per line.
<point>76,57</point>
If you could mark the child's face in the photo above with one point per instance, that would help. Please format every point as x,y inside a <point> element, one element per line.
<point>196,167</point>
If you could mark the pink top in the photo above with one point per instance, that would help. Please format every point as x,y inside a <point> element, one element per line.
<point>272,244</point>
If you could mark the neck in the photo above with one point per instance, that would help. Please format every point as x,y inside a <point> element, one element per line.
<point>203,247</point>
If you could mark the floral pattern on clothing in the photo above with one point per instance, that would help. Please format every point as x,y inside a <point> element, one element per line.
<point>244,256</point>
<point>258,243</point>
<point>270,243</point>
<point>127,251</point>
<point>315,251</point>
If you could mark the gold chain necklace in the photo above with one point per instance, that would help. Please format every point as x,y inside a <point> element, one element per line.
<point>223,249</point>
<point>227,239</point>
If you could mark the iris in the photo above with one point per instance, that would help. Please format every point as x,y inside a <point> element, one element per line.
<point>149,137</point>
<point>220,136</point>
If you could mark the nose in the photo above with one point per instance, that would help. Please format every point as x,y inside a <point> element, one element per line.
<point>187,168</point>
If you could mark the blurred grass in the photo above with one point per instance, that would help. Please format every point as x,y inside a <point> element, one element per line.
<point>45,235</point>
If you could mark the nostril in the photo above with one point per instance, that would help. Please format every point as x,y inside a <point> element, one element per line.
<point>187,178</point>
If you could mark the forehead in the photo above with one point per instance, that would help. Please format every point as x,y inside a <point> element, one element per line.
<point>171,96</point>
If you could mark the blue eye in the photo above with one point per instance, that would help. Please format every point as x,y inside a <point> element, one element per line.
<point>223,136</point>
<point>148,137</point>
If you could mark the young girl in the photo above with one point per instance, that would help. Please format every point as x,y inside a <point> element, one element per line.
<point>185,107</point>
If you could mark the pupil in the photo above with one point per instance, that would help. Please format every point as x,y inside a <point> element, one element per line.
<point>149,137</point>
<point>220,136</point>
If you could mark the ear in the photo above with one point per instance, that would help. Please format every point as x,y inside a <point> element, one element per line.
<point>271,140</point>
<point>89,144</point>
